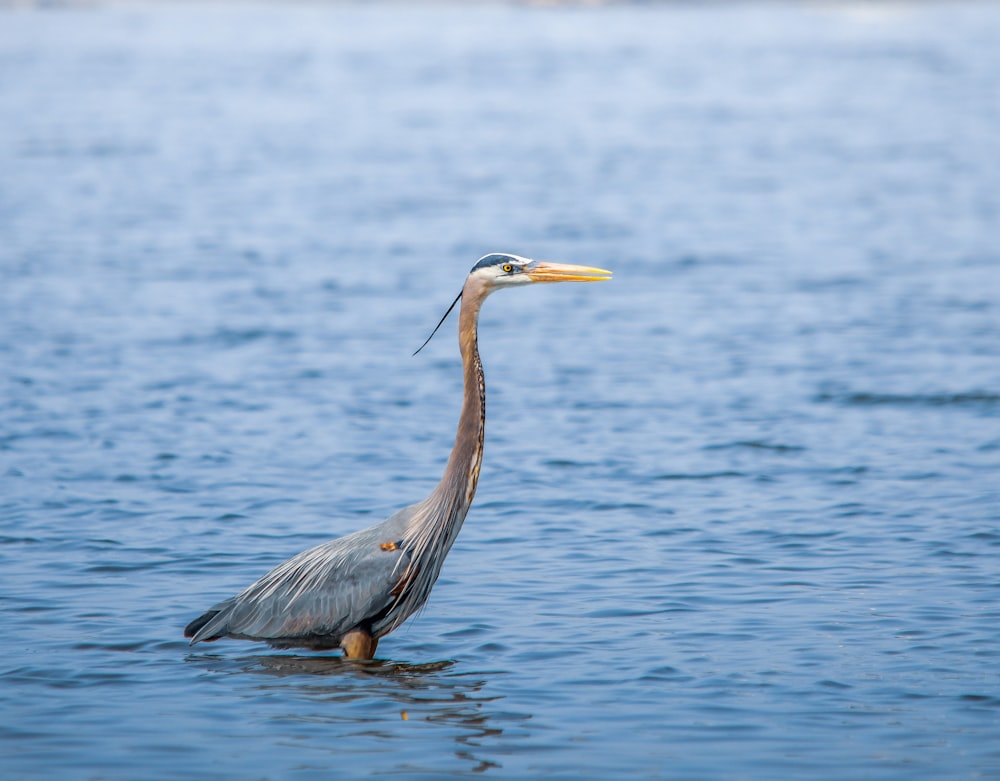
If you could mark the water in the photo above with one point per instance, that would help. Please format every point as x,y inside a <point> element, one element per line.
<point>739,516</point>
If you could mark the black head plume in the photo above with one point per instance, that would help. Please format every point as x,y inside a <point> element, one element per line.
<point>440,322</point>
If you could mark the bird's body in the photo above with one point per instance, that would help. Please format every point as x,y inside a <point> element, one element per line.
<point>318,596</point>
<point>353,590</point>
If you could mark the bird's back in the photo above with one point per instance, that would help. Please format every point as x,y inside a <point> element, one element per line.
<point>316,597</point>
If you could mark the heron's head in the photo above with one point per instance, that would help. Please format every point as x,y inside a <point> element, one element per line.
<point>498,270</point>
<point>502,270</point>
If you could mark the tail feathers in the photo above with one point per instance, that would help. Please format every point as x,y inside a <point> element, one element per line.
<point>194,630</point>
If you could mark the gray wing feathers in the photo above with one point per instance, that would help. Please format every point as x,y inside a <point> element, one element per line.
<point>324,591</point>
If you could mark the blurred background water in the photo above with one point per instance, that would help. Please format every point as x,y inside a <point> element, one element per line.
<point>740,510</point>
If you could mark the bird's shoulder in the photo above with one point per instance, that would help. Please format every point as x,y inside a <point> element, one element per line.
<point>326,589</point>
<point>370,557</point>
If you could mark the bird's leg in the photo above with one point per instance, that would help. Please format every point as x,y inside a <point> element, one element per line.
<point>359,644</point>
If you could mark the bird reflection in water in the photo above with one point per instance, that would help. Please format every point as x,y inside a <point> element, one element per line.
<point>433,693</point>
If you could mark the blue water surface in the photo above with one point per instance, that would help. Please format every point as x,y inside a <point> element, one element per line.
<point>739,516</point>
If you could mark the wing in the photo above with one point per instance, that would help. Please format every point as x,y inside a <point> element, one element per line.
<point>314,598</point>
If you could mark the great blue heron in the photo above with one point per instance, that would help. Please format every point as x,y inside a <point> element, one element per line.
<point>353,590</point>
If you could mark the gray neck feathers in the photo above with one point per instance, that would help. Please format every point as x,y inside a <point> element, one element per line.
<point>438,519</point>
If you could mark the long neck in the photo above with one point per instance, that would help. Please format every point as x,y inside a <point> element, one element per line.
<point>437,520</point>
<point>458,484</point>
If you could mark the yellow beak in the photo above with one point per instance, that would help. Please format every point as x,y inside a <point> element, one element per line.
<point>540,271</point>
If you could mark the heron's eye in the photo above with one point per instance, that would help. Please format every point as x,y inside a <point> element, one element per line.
<point>508,267</point>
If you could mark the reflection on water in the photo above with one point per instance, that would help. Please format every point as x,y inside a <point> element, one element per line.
<point>337,665</point>
<point>431,692</point>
